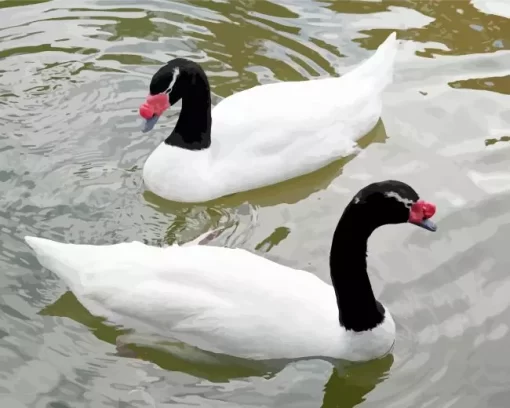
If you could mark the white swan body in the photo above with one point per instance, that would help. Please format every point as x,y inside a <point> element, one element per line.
<point>233,302</point>
<point>274,132</point>
<point>222,300</point>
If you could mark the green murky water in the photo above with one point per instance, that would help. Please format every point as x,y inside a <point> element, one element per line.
<point>72,75</point>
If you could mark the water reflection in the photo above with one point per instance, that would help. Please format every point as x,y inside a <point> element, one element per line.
<point>347,385</point>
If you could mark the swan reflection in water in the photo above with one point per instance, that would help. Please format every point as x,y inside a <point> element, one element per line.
<point>347,386</point>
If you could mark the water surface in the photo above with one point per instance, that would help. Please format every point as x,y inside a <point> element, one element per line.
<point>73,74</point>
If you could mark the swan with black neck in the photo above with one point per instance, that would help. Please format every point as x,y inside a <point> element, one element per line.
<point>234,302</point>
<point>259,136</point>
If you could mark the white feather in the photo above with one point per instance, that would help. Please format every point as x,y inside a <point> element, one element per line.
<point>222,300</point>
<point>274,132</point>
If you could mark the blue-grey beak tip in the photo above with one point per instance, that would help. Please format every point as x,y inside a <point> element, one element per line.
<point>149,124</point>
<point>428,225</point>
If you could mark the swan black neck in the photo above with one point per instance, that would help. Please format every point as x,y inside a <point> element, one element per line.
<point>358,310</point>
<point>193,128</point>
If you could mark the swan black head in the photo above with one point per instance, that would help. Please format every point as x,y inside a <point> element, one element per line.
<point>174,81</point>
<point>391,202</point>
<point>378,204</point>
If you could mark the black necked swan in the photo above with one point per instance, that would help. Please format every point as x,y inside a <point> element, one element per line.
<point>234,302</point>
<point>260,136</point>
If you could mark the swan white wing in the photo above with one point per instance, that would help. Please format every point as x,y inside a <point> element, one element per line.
<point>220,299</point>
<point>261,329</point>
<point>269,118</point>
<point>289,141</point>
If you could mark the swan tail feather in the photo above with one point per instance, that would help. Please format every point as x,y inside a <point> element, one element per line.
<point>379,68</point>
<point>60,258</point>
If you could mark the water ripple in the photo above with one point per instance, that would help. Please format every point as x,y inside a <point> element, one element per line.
<point>73,74</point>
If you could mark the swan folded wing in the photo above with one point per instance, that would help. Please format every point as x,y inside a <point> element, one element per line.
<point>159,304</point>
<point>283,120</point>
<point>219,299</point>
<point>255,327</point>
<point>302,104</point>
<point>287,144</point>
<point>192,315</point>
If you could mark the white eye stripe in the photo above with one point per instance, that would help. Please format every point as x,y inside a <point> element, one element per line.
<point>406,201</point>
<point>174,80</point>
